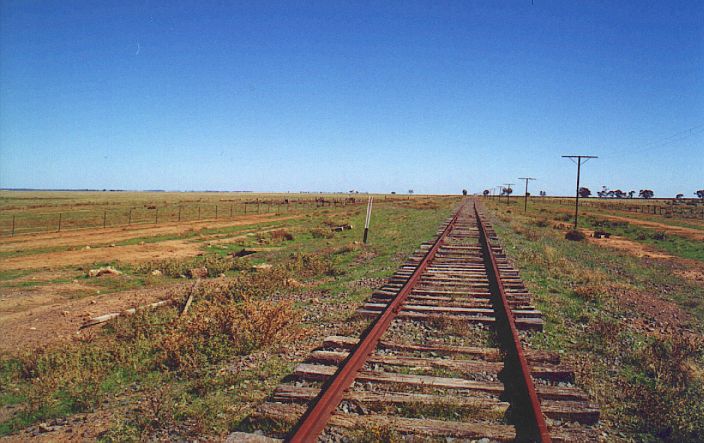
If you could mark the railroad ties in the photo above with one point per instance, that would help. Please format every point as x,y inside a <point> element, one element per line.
<point>442,366</point>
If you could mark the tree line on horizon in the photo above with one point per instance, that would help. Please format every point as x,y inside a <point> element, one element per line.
<point>605,192</point>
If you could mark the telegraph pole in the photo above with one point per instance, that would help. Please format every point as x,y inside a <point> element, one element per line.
<point>508,195</point>
<point>579,164</point>
<point>525,197</point>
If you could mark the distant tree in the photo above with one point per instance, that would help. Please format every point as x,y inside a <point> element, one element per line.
<point>700,193</point>
<point>679,196</point>
<point>619,194</point>
<point>393,192</point>
<point>464,192</point>
<point>631,194</point>
<point>603,193</point>
<point>486,192</point>
<point>507,191</point>
<point>584,192</point>
<point>543,193</point>
<point>646,193</point>
<point>410,191</point>
<point>610,194</point>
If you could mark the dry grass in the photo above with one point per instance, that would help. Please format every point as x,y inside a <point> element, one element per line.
<point>671,404</point>
<point>213,332</point>
<point>321,233</point>
<point>275,236</point>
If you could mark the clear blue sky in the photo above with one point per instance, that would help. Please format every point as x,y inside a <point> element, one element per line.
<point>330,95</point>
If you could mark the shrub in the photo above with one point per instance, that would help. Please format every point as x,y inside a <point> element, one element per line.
<point>659,235</point>
<point>216,265</point>
<point>321,233</point>
<point>213,332</point>
<point>669,402</point>
<point>349,247</point>
<point>275,236</point>
<point>169,267</point>
<point>308,265</point>
<point>575,235</point>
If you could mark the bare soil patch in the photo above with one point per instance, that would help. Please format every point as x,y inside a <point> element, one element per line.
<point>696,234</point>
<point>128,254</point>
<point>624,244</point>
<point>656,315</point>
<point>48,317</point>
<point>113,235</point>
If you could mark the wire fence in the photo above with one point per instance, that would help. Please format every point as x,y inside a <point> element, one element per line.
<point>110,217</point>
<point>692,209</point>
<point>124,215</point>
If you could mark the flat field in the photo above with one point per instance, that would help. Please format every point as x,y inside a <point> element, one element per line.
<point>627,311</point>
<point>97,381</point>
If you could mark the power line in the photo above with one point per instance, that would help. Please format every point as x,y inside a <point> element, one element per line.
<point>659,143</point>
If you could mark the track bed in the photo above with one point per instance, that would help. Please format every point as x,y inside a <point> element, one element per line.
<point>441,358</point>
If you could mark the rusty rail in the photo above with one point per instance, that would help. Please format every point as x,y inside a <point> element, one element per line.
<point>316,417</point>
<point>526,380</point>
<point>322,407</point>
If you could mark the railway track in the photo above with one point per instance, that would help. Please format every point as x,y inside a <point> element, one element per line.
<point>442,357</point>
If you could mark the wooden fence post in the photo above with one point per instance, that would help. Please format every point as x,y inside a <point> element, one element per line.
<point>105,214</point>
<point>156,216</point>
<point>13,226</point>
<point>216,212</point>
<point>129,219</point>
<point>59,223</point>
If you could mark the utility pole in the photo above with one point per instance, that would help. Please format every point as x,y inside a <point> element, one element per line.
<point>508,195</point>
<point>525,197</point>
<point>579,164</point>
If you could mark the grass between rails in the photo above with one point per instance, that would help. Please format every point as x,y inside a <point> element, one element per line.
<point>646,375</point>
<point>163,375</point>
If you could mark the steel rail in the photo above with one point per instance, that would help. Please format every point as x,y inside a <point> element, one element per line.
<point>314,420</point>
<point>542,430</point>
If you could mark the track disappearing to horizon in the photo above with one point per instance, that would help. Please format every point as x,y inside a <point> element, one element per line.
<point>444,356</point>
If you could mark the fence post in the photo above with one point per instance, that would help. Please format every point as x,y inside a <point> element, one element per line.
<point>13,226</point>
<point>179,213</point>
<point>231,205</point>
<point>198,212</point>
<point>129,219</point>
<point>105,213</point>
<point>59,223</point>
<point>156,216</point>
<point>245,208</point>
<point>216,212</point>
